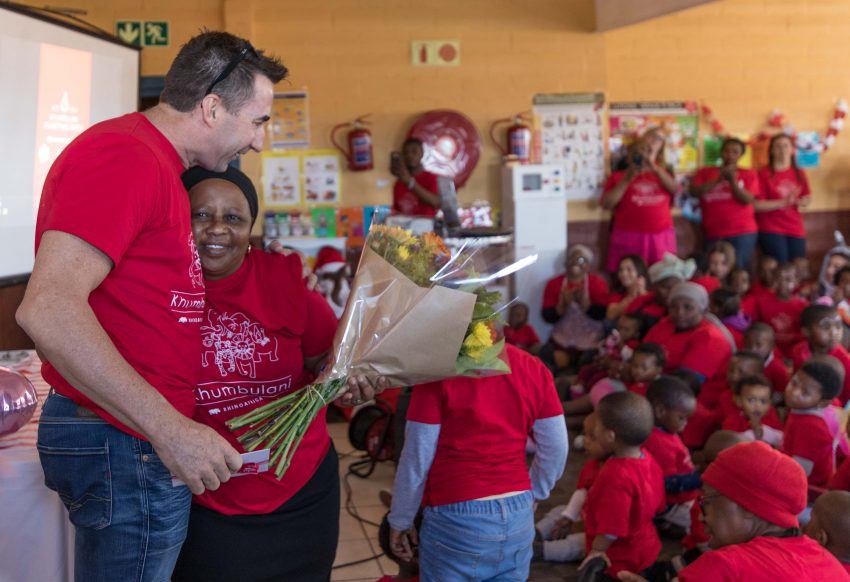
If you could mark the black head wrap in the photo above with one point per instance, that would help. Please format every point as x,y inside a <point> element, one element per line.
<point>197,174</point>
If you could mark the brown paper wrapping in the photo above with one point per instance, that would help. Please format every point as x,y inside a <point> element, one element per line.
<point>391,327</point>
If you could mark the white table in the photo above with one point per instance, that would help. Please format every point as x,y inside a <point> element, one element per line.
<point>36,537</point>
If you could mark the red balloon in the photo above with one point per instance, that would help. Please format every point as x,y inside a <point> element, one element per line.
<point>451,143</point>
<point>18,401</point>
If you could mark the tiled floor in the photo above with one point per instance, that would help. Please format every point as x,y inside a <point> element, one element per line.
<point>357,540</point>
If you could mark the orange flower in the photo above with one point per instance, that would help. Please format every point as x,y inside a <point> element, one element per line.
<point>434,243</point>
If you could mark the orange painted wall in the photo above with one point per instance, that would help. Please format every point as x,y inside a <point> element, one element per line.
<point>743,57</point>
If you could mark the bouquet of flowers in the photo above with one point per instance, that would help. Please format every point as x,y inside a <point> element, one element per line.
<point>416,313</point>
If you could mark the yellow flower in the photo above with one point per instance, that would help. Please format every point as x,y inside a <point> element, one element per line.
<point>403,253</point>
<point>478,341</point>
<point>482,334</point>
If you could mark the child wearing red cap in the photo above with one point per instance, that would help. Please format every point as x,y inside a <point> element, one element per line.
<point>629,490</point>
<point>559,542</point>
<point>751,412</point>
<point>830,525</point>
<point>760,339</point>
<point>823,329</point>
<point>781,309</point>
<point>672,404</point>
<point>808,439</point>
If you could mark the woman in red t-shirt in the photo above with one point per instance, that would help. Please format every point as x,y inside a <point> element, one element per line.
<point>264,334</point>
<point>629,288</point>
<point>783,190</point>
<point>416,191</point>
<point>726,196</point>
<point>640,199</point>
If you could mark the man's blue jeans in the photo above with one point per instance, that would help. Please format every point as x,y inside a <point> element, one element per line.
<point>129,520</point>
<point>478,540</point>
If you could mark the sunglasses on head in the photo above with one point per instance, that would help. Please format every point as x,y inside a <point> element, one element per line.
<point>231,66</point>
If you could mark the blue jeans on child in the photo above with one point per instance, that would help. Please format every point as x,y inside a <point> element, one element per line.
<point>478,540</point>
<point>129,521</point>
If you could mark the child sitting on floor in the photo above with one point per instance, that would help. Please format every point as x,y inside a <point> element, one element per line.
<point>781,310</point>
<point>519,332</point>
<point>559,542</point>
<point>739,283</point>
<point>761,340</point>
<point>721,261</point>
<point>672,404</point>
<point>823,330</point>
<point>629,490</point>
<point>646,365</point>
<point>726,305</point>
<point>830,525</point>
<point>753,415</point>
<point>808,439</point>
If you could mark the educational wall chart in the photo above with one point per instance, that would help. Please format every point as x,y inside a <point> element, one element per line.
<point>298,177</point>
<point>679,120</point>
<point>289,126</point>
<point>569,128</point>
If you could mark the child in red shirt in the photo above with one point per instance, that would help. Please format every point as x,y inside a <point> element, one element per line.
<point>519,332</point>
<point>759,339</point>
<point>823,330</point>
<point>646,365</point>
<point>766,272</point>
<point>781,310</point>
<point>725,304</point>
<point>560,543</point>
<point>752,414</point>
<point>721,260</point>
<point>629,490</point>
<point>830,525</point>
<point>739,283</point>
<point>808,439</point>
<point>753,495</point>
<point>672,404</point>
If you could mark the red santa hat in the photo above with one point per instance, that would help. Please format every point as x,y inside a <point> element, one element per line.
<point>765,482</point>
<point>328,260</point>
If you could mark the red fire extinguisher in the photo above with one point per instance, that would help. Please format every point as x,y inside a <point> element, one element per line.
<point>359,153</point>
<point>519,138</point>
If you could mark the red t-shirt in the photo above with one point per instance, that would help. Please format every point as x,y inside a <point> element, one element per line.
<point>625,497</point>
<point>588,474</point>
<point>778,186</point>
<point>766,559</point>
<point>524,337</point>
<point>645,206</point>
<point>807,436</point>
<point>635,304</point>
<point>801,352</point>
<point>707,282</point>
<point>734,418</point>
<point>722,214</point>
<point>484,425</point>
<point>407,202</point>
<point>841,478</point>
<point>255,343</point>
<point>597,289</point>
<point>639,388</point>
<point>776,371</point>
<point>703,349</point>
<point>783,315</point>
<point>673,458</point>
<point>749,304</point>
<point>648,305</point>
<point>117,186</point>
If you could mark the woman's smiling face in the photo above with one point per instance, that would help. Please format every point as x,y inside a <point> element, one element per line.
<point>221,225</point>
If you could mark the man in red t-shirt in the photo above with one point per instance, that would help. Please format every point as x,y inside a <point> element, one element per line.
<point>115,304</point>
<point>416,191</point>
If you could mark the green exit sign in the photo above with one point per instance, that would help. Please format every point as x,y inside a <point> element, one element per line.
<point>143,32</point>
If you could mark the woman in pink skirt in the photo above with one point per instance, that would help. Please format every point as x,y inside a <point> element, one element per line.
<point>640,198</point>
